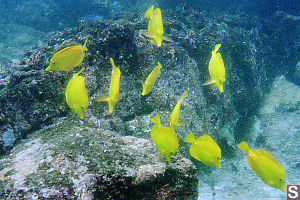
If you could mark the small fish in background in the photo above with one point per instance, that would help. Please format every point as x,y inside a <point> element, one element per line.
<point>205,149</point>
<point>114,88</point>
<point>151,79</point>
<point>67,58</point>
<point>265,166</point>
<point>155,27</point>
<point>174,117</point>
<point>216,69</point>
<point>76,95</point>
<point>164,138</point>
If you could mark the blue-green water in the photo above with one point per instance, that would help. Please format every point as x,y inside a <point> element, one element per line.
<point>266,101</point>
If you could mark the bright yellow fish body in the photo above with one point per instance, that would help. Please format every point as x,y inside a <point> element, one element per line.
<point>205,149</point>
<point>216,69</point>
<point>114,88</point>
<point>174,118</point>
<point>67,58</point>
<point>164,138</point>
<point>76,95</point>
<point>155,27</point>
<point>265,166</point>
<point>151,79</point>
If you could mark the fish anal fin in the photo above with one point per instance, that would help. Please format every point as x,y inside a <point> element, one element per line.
<point>209,82</point>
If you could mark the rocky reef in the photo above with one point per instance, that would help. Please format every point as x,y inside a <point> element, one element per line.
<point>79,157</point>
<point>72,160</point>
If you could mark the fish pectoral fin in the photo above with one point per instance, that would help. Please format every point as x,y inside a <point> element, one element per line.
<point>209,82</point>
<point>102,98</point>
<point>182,123</point>
<point>146,33</point>
<point>143,84</point>
<point>168,39</point>
<point>120,97</point>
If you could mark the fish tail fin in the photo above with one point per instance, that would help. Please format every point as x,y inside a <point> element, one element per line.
<point>159,65</point>
<point>49,67</point>
<point>84,45</point>
<point>185,94</point>
<point>216,48</point>
<point>220,86</point>
<point>209,82</point>
<point>156,119</point>
<point>245,147</point>
<point>283,189</point>
<point>76,74</point>
<point>190,138</point>
<point>112,62</point>
<point>149,12</point>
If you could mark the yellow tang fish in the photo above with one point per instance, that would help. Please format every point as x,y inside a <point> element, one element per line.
<point>205,149</point>
<point>265,166</point>
<point>151,79</point>
<point>165,138</point>
<point>67,58</point>
<point>155,27</point>
<point>76,95</point>
<point>174,118</point>
<point>216,69</point>
<point>114,88</point>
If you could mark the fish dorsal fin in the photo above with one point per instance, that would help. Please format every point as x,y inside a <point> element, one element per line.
<point>205,138</point>
<point>190,138</point>
<point>209,82</point>
<point>149,12</point>
<point>84,45</point>
<point>245,147</point>
<point>76,74</point>
<point>156,119</point>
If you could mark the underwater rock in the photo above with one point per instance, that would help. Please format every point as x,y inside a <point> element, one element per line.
<point>72,160</point>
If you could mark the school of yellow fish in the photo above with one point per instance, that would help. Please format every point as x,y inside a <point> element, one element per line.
<point>203,148</point>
